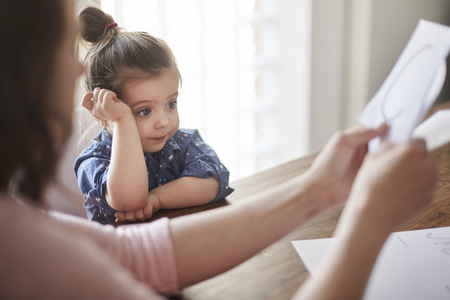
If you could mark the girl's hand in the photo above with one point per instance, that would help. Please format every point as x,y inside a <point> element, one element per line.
<point>152,206</point>
<point>104,106</point>
<point>336,166</point>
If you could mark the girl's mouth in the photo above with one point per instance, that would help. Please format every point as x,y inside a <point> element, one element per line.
<point>159,139</point>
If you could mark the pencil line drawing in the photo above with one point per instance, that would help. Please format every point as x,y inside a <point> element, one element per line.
<point>442,243</point>
<point>388,111</point>
<point>446,251</point>
<point>401,240</point>
<point>429,236</point>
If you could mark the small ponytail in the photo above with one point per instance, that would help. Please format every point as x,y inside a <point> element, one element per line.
<point>95,24</point>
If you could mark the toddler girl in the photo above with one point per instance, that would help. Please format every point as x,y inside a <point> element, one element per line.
<point>140,161</point>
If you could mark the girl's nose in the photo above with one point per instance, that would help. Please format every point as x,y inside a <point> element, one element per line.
<point>162,120</point>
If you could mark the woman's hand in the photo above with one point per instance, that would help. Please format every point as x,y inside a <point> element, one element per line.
<point>336,166</point>
<point>394,185</point>
<point>104,106</point>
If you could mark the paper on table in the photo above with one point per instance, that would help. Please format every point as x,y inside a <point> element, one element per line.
<point>412,86</point>
<point>411,265</point>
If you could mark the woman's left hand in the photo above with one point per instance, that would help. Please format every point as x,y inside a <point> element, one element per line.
<point>337,164</point>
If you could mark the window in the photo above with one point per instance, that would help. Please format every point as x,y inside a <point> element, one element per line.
<point>241,87</point>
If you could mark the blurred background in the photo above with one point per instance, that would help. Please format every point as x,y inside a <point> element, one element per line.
<point>269,81</point>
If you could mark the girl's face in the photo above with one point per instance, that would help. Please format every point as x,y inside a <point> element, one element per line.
<point>153,102</point>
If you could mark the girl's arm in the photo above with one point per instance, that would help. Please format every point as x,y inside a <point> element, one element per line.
<point>182,192</point>
<point>191,188</point>
<point>186,191</point>
<point>127,181</point>
<point>393,186</point>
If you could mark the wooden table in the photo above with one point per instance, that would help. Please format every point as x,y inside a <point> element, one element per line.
<point>277,271</point>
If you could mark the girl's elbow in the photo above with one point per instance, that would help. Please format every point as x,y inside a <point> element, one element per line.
<point>212,189</point>
<point>127,201</point>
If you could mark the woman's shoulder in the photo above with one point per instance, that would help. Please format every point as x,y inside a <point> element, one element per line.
<point>14,212</point>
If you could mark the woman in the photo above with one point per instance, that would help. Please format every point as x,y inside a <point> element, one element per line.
<point>55,256</point>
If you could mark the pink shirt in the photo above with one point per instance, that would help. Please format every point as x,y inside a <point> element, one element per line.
<point>57,256</point>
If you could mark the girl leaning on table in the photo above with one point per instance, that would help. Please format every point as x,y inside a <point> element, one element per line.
<point>141,161</point>
<point>49,255</point>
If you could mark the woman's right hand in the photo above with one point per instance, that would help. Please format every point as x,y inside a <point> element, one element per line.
<point>393,186</point>
<point>104,106</point>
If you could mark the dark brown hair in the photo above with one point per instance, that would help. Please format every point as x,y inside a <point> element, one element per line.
<point>30,34</point>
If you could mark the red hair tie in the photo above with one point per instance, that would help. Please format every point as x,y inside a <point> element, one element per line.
<point>110,25</point>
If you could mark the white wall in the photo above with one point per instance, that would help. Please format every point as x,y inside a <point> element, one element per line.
<point>328,20</point>
<point>294,76</point>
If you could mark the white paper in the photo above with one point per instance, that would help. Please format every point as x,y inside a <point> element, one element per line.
<point>411,265</point>
<point>412,86</point>
<point>435,130</point>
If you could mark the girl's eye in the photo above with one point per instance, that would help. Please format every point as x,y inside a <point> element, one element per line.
<point>144,112</point>
<point>172,105</point>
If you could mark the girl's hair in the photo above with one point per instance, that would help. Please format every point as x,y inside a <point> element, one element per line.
<point>30,34</point>
<point>115,56</point>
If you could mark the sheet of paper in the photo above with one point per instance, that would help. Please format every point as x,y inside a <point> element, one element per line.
<point>412,86</point>
<point>435,130</point>
<point>411,265</point>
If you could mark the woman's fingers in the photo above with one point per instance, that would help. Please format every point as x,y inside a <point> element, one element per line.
<point>400,180</point>
<point>359,135</point>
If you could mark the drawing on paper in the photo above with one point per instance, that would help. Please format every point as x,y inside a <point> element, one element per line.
<point>444,250</point>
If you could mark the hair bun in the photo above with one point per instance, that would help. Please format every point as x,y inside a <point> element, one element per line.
<point>94,22</point>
